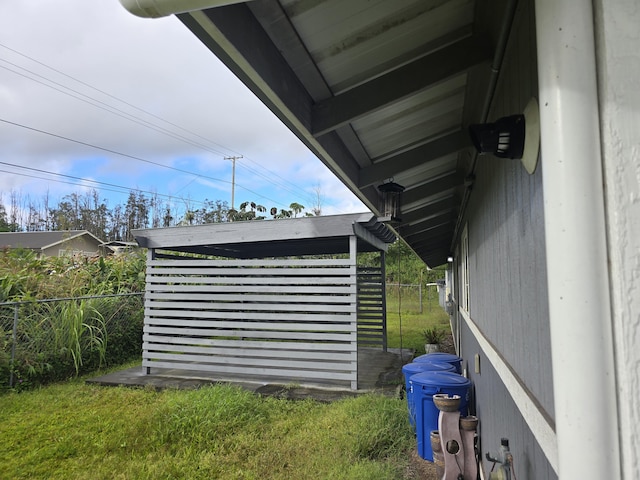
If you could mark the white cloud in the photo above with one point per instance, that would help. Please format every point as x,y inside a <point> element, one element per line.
<point>158,66</point>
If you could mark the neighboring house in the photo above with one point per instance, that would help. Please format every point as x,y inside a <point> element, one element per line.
<point>118,247</point>
<point>54,244</point>
<point>545,265</point>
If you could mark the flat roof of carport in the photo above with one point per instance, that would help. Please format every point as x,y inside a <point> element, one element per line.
<point>273,238</point>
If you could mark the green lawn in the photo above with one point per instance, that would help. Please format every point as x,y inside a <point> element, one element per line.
<point>76,431</point>
<point>412,323</point>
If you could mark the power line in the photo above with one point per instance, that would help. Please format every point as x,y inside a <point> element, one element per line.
<point>115,152</point>
<point>141,121</point>
<point>122,189</point>
<point>106,107</point>
<point>146,112</point>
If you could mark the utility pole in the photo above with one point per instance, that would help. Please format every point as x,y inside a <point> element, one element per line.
<point>233,178</point>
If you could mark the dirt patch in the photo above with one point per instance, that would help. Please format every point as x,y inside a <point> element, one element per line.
<point>446,345</point>
<point>419,469</point>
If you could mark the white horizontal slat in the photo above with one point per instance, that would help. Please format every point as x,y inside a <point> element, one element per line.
<point>248,327</point>
<point>291,318</point>
<point>275,334</point>
<point>263,362</point>
<point>254,371</point>
<point>251,344</point>
<point>248,306</point>
<point>250,263</point>
<point>252,280</point>
<point>257,354</point>
<point>246,297</point>
<point>254,272</point>
<point>290,289</point>
<point>209,314</point>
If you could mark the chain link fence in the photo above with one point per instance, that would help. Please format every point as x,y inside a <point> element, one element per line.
<point>415,298</point>
<point>54,339</point>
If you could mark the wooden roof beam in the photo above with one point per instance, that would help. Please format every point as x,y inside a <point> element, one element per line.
<point>413,158</point>
<point>431,189</point>
<point>435,208</point>
<point>332,113</point>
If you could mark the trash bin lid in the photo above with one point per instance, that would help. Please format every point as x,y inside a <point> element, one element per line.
<point>440,379</point>
<point>413,368</point>
<point>438,357</point>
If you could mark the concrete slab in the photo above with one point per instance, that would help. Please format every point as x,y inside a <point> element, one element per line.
<point>378,371</point>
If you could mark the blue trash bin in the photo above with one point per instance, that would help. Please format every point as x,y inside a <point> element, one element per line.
<point>425,385</point>
<point>440,357</point>
<point>411,369</point>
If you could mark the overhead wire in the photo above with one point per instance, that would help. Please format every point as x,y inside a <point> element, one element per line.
<point>133,157</point>
<point>123,114</point>
<point>122,188</point>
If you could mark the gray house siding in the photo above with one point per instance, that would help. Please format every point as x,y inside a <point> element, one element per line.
<point>507,276</point>
<point>500,418</point>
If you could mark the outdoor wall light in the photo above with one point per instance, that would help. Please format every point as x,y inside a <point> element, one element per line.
<point>504,138</point>
<point>391,201</point>
<point>515,136</point>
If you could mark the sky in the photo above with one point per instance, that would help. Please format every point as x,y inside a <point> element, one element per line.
<point>90,91</point>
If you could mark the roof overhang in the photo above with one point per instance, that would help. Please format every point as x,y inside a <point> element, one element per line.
<point>272,238</point>
<point>377,90</point>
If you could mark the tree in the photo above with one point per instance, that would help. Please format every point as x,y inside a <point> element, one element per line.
<point>296,208</point>
<point>247,211</point>
<point>4,224</point>
<point>318,199</point>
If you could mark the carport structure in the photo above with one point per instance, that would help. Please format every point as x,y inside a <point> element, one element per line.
<point>283,299</point>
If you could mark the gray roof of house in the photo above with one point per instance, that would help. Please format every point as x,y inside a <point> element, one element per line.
<point>40,240</point>
<point>273,238</point>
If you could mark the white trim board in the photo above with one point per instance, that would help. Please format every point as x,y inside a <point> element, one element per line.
<point>531,413</point>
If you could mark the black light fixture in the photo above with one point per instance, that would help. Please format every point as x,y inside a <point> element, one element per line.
<point>504,138</point>
<point>515,136</point>
<point>391,201</point>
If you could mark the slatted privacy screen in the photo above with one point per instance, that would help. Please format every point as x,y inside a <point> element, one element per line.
<point>294,319</point>
<point>372,327</point>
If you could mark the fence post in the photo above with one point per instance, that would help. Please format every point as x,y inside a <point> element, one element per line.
<point>14,339</point>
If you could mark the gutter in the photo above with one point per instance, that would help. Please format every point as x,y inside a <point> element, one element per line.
<point>577,264</point>
<point>164,8</point>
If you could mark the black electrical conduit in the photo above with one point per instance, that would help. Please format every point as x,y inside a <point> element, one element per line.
<point>496,65</point>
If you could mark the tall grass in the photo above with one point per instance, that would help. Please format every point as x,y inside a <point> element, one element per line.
<point>59,339</point>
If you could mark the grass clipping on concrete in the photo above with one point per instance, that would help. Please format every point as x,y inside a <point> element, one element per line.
<point>78,431</point>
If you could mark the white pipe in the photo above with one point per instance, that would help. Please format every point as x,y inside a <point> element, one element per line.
<point>163,8</point>
<point>579,303</point>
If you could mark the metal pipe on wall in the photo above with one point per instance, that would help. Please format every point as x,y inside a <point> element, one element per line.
<point>579,302</point>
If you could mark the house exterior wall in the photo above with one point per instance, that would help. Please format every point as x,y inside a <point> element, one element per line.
<point>501,256</point>
<point>82,245</point>
<point>617,47</point>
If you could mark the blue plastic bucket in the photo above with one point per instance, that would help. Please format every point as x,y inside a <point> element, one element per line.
<point>441,357</point>
<point>425,385</point>
<point>411,369</point>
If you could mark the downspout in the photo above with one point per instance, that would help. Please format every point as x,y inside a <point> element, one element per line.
<point>579,302</point>
<point>164,8</point>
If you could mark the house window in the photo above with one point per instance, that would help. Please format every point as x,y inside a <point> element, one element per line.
<point>464,269</point>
